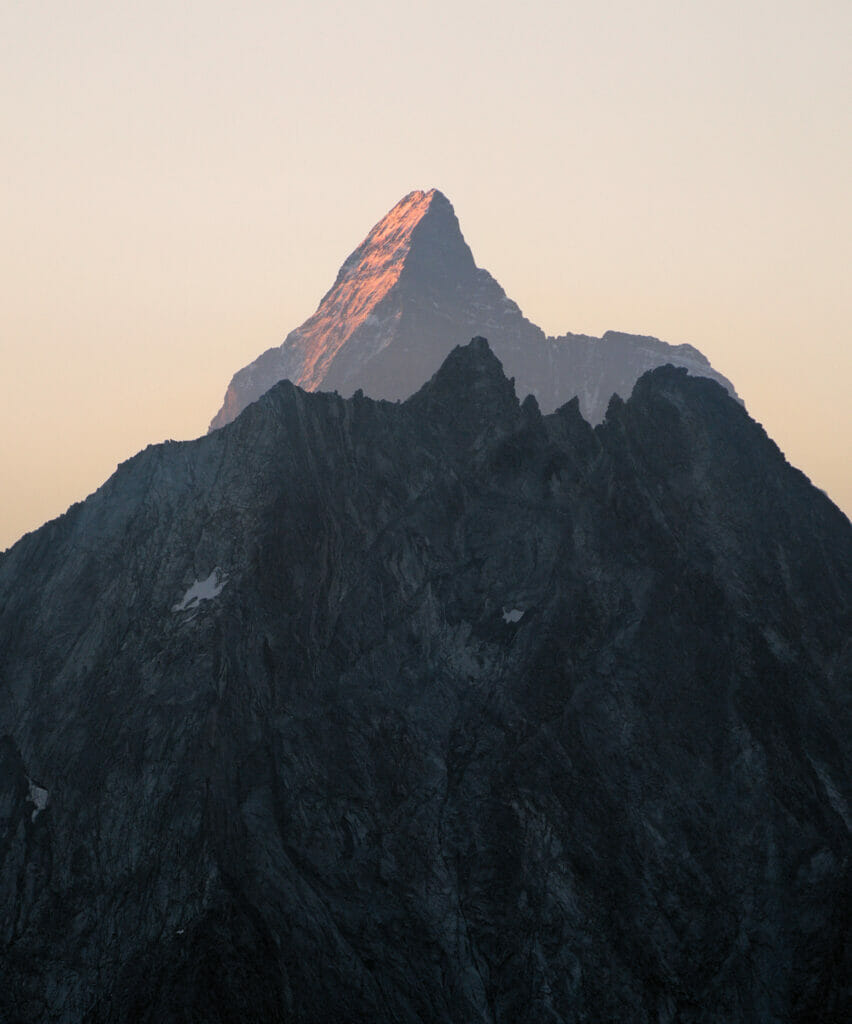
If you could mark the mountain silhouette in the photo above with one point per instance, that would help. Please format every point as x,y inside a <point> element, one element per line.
<point>442,710</point>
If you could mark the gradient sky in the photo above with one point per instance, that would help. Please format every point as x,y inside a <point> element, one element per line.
<point>181,182</point>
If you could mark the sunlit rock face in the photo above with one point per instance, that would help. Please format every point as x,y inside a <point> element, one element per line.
<point>410,293</point>
<point>434,711</point>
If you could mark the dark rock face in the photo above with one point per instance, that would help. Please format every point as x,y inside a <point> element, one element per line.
<point>409,294</point>
<point>439,711</point>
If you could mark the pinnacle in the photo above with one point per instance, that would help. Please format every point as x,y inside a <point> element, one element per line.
<point>476,359</point>
<point>471,378</point>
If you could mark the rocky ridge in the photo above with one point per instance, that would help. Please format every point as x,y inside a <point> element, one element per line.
<point>435,711</point>
<point>411,292</point>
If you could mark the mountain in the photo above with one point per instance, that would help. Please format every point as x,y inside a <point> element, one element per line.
<point>410,293</point>
<point>435,711</point>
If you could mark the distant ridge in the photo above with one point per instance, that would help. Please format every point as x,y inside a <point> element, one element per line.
<point>409,294</point>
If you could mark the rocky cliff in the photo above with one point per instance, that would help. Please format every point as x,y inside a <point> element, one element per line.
<point>410,293</point>
<point>434,711</point>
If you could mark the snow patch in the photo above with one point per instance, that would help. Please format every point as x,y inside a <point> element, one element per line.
<point>38,796</point>
<point>514,615</point>
<point>202,590</point>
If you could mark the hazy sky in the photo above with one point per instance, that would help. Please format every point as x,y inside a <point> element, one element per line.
<point>181,182</point>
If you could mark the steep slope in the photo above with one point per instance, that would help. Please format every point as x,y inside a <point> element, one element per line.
<point>408,295</point>
<point>436,711</point>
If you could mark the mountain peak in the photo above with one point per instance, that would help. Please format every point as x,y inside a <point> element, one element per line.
<point>413,266</point>
<point>411,292</point>
<point>367,277</point>
<point>378,260</point>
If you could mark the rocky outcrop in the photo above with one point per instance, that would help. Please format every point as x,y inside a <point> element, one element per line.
<point>437,711</point>
<point>408,295</point>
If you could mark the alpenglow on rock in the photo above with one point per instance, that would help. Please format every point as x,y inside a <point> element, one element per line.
<point>409,294</point>
<point>433,712</point>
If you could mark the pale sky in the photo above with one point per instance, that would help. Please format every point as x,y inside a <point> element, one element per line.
<point>181,181</point>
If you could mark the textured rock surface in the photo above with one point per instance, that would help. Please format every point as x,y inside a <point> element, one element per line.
<point>438,711</point>
<point>408,295</point>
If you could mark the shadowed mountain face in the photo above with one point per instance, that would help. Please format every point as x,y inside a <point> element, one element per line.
<point>408,295</point>
<point>439,711</point>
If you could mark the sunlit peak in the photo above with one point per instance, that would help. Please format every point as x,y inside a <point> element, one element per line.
<point>364,280</point>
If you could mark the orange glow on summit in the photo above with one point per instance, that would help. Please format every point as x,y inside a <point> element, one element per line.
<point>364,280</point>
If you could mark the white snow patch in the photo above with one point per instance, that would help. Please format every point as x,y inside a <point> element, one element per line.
<point>38,796</point>
<point>202,590</point>
<point>514,615</point>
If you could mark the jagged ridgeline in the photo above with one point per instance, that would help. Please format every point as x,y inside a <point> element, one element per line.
<point>409,294</point>
<point>435,711</point>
